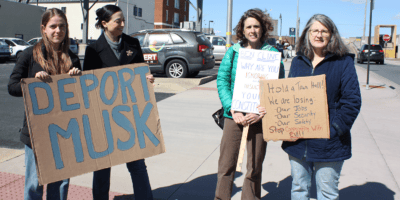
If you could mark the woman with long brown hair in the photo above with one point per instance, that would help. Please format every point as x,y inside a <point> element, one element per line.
<point>50,56</point>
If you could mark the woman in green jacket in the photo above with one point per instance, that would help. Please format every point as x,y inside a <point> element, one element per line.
<point>252,30</point>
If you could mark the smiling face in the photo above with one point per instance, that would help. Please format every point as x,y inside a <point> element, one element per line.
<point>55,30</point>
<point>319,36</point>
<point>116,24</point>
<point>252,31</point>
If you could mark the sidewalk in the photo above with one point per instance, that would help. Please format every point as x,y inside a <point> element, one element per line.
<point>187,171</point>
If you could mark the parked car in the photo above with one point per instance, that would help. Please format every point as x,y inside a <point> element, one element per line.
<point>73,46</point>
<point>219,44</point>
<point>5,51</point>
<point>17,45</point>
<point>377,55</point>
<point>176,53</point>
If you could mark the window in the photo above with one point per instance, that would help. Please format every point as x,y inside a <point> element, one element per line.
<point>177,4</point>
<point>140,12</point>
<point>10,43</point>
<point>176,18</point>
<point>167,2</point>
<point>158,40</point>
<point>135,11</point>
<point>184,18</point>
<point>218,41</point>
<point>176,38</point>
<point>64,9</point>
<point>185,7</point>
<point>140,37</point>
<point>166,16</point>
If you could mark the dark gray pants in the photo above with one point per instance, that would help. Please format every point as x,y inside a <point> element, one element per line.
<point>230,144</point>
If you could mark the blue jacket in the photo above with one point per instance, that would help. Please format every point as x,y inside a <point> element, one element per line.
<point>344,103</point>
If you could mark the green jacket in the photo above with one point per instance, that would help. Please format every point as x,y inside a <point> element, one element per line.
<point>227,74</point>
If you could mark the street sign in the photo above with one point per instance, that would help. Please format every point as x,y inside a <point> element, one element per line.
<point>292,31</point>
<point>386,37</point>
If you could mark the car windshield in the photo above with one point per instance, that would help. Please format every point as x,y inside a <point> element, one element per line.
<point>2,42</point>
<point>21,42</point>
<point>72,41</point>
<point>374,47</point>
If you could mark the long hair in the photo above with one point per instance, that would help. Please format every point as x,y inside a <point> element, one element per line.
<point>104,14</point>
<point>335,44</point>
<point>264,20</point>
<point>52,63</point>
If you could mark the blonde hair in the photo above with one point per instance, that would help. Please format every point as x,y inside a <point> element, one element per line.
<point>52,63</point>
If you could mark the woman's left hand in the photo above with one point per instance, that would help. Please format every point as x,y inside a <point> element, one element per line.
<point>252,118</point>
<point>74,71</point>
<point>150,78</point>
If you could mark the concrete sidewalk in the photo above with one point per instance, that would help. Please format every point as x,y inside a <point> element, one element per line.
<point>187,171</point>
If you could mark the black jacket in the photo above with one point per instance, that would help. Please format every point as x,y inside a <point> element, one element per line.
<point>100,55</point>
<point>26,67</point>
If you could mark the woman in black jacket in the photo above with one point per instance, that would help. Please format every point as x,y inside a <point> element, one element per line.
<point>114,48</point>
<point>50,56</point>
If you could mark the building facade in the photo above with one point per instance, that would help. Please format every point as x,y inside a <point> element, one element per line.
<point>138,14</point>
<point>169,13</point>
<point>15,23</point>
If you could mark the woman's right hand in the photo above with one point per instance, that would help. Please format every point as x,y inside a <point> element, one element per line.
<point>42,75</point>
<point>239,118</point>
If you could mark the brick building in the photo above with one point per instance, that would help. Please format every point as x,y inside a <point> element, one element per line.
<point>169,13</point>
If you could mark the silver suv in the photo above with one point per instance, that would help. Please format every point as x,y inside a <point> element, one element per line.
<point>176,53</point>
<point>219,44</point>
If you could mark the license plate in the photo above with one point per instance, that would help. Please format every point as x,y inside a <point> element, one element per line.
<point>373,52</point>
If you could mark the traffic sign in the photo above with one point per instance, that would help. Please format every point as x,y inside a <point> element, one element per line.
<point>292,31</point>
<point>386,37</point>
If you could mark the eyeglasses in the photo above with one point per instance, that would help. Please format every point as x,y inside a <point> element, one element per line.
<point>324,33</point>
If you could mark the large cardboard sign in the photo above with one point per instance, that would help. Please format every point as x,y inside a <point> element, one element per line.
<point>296,108</point>
<point>253,65</point>
<point>96,120</point>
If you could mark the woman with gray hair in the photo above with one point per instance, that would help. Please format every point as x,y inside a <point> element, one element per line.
<point>320,50</point>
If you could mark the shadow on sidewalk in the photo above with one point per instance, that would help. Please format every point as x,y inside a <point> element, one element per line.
<point>367,191</point>
<point>197,189</point>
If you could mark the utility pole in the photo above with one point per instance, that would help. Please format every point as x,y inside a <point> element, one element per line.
<point>365,19</point>
<point>199,25</point>
<point>85,13</point>
<point>229,25</point>
<point>297,22</point>
<point>209,30</point>
<point>280,34</point>
<point>369,41</point>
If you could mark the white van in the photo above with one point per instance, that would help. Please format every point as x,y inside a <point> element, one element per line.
<point>17,46</point>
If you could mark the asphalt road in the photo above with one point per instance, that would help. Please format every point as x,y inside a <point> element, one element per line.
<point>387,70</point>
<point>12,108</point>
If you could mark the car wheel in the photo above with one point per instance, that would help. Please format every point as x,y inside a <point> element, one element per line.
<point>361,61</point>
<point>382,62</point>
<point>194,74</point>
<point>176,69</point>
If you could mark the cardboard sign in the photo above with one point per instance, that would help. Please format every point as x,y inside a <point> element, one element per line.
<point>296,108</point>
<point>253,65</point>
<point>79,124</point>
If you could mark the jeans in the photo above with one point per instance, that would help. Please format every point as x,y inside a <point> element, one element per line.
<point>139,176</point>
<point>32,190</point>
<point>326,177</point>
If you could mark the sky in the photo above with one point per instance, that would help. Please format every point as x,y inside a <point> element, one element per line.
<point>348,15</point>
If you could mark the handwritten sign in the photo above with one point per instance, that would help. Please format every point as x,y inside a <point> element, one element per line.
<point>96,120</point>
<point>296,108</point>
<point>253,65</point>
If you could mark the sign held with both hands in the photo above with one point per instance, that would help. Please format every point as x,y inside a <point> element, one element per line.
<point>79,124</point>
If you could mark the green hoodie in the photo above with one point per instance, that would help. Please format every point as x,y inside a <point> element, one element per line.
<point>227,74</point>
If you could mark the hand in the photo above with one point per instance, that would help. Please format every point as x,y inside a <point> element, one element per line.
<point>261,110</point>
<point>252,118</point>
<point>150,78</point>
<point>74,71</point>
<point>239,118</point>
<point>42,75</point>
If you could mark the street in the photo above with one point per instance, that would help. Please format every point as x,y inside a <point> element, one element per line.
<point>388,70</point>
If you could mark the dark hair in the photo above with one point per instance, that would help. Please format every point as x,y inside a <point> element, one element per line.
<point>264,20</point>
<point>53,63</point>
<point>335,44</point>
<point>104,14</point>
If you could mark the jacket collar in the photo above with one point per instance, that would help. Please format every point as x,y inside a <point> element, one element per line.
<point>308,61</point>
<point>128,52</point>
